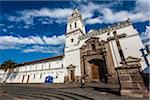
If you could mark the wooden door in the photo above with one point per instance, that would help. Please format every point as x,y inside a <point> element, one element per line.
<point>95,72</point>
<point>28,78</point>
<point>72,75</point>
<point>23,78</point>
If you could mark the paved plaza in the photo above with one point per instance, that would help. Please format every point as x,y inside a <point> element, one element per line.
<point>61,92</point>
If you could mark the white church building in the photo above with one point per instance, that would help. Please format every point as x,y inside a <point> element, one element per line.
<point>85,53</point>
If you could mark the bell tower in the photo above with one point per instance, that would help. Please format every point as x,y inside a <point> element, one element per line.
<point>75,28</point>
<point>75,22</point>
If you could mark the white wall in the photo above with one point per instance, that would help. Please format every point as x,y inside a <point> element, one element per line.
<point>72,52</point>
<point>73,57</point>
<point>36,72</point>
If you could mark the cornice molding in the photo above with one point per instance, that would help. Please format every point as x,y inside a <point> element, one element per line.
<point>107,29</point>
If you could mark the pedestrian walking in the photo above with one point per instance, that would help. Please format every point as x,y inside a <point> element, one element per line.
<point>82,82</point>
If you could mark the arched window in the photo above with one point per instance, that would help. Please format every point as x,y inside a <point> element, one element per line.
<point>75,24</point>
<point>70,27</point>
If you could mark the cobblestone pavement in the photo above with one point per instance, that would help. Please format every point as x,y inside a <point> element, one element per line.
<point>27,92</point>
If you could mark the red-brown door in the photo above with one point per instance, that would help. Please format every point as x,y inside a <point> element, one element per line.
<point>72,75</point>
<point>95,72</point>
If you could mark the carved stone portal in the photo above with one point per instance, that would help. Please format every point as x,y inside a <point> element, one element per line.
<point>96,61</point>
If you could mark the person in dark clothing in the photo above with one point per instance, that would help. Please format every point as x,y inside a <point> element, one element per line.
<point>82,83</point>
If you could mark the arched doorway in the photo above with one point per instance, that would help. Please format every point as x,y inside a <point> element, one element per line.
<point>71,73</point>
<point>98,71</point>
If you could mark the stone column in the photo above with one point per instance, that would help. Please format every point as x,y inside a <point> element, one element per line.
<point>131,81</point>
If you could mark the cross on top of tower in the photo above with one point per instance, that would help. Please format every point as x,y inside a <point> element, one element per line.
<point>75,14</point>
<point>76,10</point>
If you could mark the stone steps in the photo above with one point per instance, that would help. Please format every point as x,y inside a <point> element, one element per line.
<point>93,92</point>
<point>51,94</point>
<point>63,85</point>
<point>34,96</point>
<point>47,93</point>
<point>26,96</point>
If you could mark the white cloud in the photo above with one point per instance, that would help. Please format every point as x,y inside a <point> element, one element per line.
<point>28,16</point>
<point>11,26</point>
<point>45,20</point>
<point>53,13</point>
<point>20,40</point>
<point>111,17</point>
<point>2,25</point>
<point>11,33</point>
<point>27,26</point>
<point>93,21</point>
<point>87,11</point>
<point>45,49</point>
<point>145,36</point>
<point>54,40</point>
<point>54,44</point>
<point>60,21</point>
<point>26,19</point>
<point>4,30</point>
<point>143,6</point>
<point>107,15</point>
<point>4,47</point>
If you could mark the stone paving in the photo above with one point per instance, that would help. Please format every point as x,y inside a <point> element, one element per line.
<point>43,92</point>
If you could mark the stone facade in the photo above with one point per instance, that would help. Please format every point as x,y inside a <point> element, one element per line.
<point>96,61</point>
<point>131,80</point>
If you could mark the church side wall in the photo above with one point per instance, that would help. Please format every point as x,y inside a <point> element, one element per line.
<point>131,47</point>
<point>35,73</point>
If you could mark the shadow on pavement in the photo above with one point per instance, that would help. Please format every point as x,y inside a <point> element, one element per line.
<point>108,90</point>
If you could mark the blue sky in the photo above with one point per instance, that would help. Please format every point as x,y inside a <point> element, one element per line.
<point>32,30</point>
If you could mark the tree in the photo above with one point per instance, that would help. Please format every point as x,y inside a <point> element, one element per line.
<point>8,65</point>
